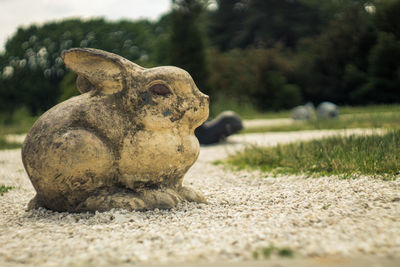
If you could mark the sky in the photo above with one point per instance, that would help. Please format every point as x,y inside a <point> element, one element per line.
<point>15,13</point>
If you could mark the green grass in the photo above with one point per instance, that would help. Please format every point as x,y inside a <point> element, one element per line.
<point>4,189</point>
<point>12,129</point>
<point>267,252</point>
<point>370,109</point>
<point>7,145</point>
<point>18,123</point>
<point>17,127</point>
<point>387,120</point>
<point>373,155</point>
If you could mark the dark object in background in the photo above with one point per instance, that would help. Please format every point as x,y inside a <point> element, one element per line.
<point>327,110</point>
<point>211,132</point>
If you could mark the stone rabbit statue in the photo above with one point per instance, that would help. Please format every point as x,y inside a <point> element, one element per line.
<point>125,142</point>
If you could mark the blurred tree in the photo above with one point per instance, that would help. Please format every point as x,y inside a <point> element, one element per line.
<point>346,42</point>
<point>163,44</point>
<point>68,87</point>
<point>227,24</point>
<point>387,16</point>
<point>263,76</point>
<point>275,53</point>
<point>263,23</point>
<point>271,21</point>
<point>31,68</point>
<point>384,71</point>
<point>273,90</point>
<point>232,74</point>
<point>187,41</point>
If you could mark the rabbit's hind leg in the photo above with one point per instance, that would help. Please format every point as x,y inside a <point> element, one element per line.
<point>70,167</point>
<point>145,200</point>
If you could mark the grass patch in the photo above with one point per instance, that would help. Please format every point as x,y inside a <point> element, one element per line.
<point>8,145</point>
<point>388,120</point>
<point>18,122</point>
<point>267,252</point>
<point>18,125</point>
<point>374,155</point>
<point>369,109</point>
<point>4,189</point>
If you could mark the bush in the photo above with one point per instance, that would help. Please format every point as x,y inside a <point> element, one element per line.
<point>384,70</point>
<point>68,87</point>
<point>31,67</point>
<point>258,75</point>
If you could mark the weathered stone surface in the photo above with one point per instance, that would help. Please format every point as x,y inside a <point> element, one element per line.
<point>327,110</point>
<point>125,142</point>
<point>304,112</point>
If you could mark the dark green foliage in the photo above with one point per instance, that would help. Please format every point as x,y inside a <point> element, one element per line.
<point>187,41</point>
<point>68,87</point>
<point>285,252</point>
<point>342,47</point>
<point>384,70</point>
<point>273,89</point>
<point>376,155</point>
<point>267,252</point>
<point>275,93</point>
<point>227,24</point>
<point>163,44</point>
<point>387,16</point>
<point>335,49</point>
<point>259,76</point>
<point>270,54</point>
<point>35,68</point>
<point>263,23</point>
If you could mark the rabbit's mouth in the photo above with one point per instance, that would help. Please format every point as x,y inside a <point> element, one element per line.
<point>199,114</point>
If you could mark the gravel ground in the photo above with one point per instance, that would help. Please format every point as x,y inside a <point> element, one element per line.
<point>268,122</point>
<point>247,211</point>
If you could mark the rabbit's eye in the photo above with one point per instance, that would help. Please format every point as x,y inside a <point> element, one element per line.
<point>160,89</point>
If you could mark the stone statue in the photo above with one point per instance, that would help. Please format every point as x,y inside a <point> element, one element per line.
<point>304,112</point>
<point>125,142</point>
<point>327,110</point>
<point>212,132</point>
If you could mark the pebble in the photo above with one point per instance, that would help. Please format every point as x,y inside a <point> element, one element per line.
<point>246,211</point>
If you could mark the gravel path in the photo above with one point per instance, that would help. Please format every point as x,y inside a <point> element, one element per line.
<point>268,122</point>
<point>325,217</point>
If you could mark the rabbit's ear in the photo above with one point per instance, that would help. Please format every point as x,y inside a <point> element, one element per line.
<point>97,69</point>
